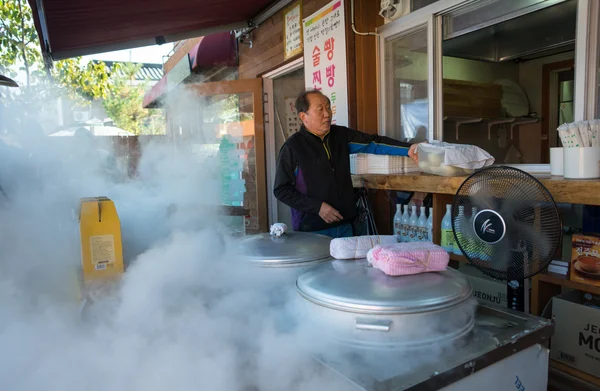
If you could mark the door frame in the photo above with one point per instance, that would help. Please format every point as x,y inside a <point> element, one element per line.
<point>550,88</point>
<point>254,87</point>
<point>271,161</point>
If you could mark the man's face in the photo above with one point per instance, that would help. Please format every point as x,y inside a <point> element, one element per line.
<point>317,118</point>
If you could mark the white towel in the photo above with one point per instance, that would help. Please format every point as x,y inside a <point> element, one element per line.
<point>278,229</point>
<point>357,247</point>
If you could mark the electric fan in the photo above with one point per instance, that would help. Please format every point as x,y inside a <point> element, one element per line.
<point>507,225</point>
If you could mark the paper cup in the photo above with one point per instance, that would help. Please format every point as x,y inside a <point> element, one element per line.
<point>581,163</point>
<point>556,161</point>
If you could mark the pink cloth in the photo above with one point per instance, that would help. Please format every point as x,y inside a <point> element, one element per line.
<point>400,259</point>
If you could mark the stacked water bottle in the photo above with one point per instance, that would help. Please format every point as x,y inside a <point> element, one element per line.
<point>413,227</point>
<point>448,240</point>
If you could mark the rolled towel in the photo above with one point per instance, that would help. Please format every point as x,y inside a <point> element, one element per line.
<point>357,247</point>
<point>278,229</point>
<point>402,259</point>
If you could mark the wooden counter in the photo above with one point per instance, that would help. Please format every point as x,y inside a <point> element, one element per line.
<point>572,191</point>
<point>544,285</point>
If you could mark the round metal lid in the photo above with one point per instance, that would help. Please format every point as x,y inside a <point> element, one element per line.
<point>364,289</point>
<point>291,249</point>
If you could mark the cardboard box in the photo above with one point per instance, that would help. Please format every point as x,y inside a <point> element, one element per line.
<point>584,246</point>
<point>576,340</point>
<point>485,289</point>
<point>101,244</point>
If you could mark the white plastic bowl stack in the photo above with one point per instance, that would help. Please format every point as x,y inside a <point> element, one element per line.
<point>381,164</point>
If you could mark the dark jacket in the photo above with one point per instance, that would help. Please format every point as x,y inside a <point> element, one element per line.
<point>311,171</point>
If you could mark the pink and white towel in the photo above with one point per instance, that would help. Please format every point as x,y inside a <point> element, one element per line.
<point>400,259</point>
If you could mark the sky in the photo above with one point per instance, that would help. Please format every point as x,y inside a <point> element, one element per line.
<point>148,54</point>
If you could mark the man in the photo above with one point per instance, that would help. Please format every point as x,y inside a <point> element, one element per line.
<point>313,168</point>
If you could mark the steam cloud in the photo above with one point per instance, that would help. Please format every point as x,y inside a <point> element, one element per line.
<point>187,315</point>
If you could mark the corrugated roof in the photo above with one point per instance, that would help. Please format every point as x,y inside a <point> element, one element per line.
<point>147,71</point>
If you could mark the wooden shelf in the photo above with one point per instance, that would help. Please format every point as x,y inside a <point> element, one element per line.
<point>572,191</point>
<point>459,258</point>
<point>575,372</point>
<point>559,279</point>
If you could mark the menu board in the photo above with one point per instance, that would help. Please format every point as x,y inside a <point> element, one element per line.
<point>292,30</point>
<point>325,57</point>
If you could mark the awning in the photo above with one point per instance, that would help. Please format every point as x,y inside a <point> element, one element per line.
<point>215,50</point>
<point>74,28</point>
<point>152,97</point>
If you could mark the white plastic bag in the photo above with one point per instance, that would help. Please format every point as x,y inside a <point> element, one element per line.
<point>447,159</point>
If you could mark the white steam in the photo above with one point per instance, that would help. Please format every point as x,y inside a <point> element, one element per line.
<point>187,314</point>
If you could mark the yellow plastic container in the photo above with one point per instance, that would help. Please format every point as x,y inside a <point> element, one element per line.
<point>101,243</point>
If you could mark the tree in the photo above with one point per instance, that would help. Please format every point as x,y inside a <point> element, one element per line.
<point>81,83</point>
<point>19,50</point>
<point>124,104</point>
<point>18,38</point>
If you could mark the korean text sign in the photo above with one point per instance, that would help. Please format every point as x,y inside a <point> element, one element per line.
<point>292,34</point>
<point>325,57</point>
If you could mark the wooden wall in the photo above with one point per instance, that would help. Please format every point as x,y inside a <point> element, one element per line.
<point>267,43</point>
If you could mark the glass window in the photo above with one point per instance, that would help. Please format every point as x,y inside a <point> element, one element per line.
<point>228,126</point>
<point>407,100</point>
<point>507,86</point>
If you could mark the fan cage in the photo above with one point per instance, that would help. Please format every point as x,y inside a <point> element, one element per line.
<point>533,225</point>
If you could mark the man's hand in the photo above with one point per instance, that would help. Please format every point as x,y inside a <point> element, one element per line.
<point>412,152</point>
<point>329,214</point>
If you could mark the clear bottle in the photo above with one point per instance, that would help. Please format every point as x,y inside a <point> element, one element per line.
<point>397,223</point>
<point>459,223</point>
<point>405,222</point>
<point>429,237</point>
<point>412,223</point>
<point>447,235</point>
<point>422,226</point>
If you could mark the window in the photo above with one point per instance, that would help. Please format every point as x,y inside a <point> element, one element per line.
<point>407,97</point>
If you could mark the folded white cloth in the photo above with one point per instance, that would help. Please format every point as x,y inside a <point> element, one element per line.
<point>278,229</point>
<point>357,247</point>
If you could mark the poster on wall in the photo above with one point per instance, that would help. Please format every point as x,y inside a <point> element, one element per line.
<point>292,30</point>
<point>325,57</point>
<point>292,123</point>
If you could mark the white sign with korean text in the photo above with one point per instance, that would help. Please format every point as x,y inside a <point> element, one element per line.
<point>292,123</point>
<point>325,57</point>
<point>292,30</point>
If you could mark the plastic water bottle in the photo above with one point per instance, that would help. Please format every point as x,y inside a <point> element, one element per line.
<point>460,225</point>
<point>430,226</point>
<point>405,224</point>
<point>398,223</point>
<point>422,226</point>
<point>447,235</point>
<point>412,229</point>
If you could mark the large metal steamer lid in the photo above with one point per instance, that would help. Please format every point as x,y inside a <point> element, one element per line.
<point>291,249</point>
<point>367,290</point>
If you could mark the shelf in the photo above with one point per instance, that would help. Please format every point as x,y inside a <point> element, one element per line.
<point>513,121</point>
<point>461,121</point>
<point>559,279</point>
<point>459,258</point>
<point>575,372</point>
